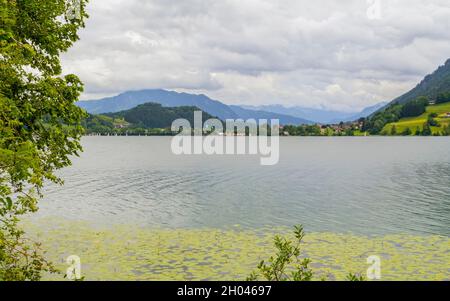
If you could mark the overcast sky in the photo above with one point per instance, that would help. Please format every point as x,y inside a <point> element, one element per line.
<point>337,54</point>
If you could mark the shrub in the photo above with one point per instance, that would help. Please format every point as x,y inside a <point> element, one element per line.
<point>287,254</point>
<point>426,130</point>
<point>431,121</point>
<point>287,264</point>
<point>394,130</point>
<point>407,132</point>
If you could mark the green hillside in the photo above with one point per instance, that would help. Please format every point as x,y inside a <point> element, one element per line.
<point>431,86</point>
<point>146,119</point>
<point>153,115</point>
<point>411,111</point>
<point>414,123</point>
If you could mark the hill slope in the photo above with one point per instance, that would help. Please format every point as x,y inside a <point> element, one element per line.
<point>431,86</point>
<point>129,100</point>
<point>153,115</point>
<point>145,116</point>
<point>414,123</point>
<point>432,89</point>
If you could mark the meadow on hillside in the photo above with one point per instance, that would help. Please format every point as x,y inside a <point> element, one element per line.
<point>418,122</point>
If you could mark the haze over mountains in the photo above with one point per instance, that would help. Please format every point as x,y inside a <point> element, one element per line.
<point>291,116</point>
<point>432,85</point>
<point>323,116</point>
<point>131,99</point>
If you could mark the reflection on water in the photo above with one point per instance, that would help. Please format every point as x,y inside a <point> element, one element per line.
<point>360,185</point>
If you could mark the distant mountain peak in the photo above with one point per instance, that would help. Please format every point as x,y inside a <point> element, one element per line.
<point>131,99</point>
<point>322,115</point>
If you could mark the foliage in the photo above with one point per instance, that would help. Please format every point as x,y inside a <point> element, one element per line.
<point>146,119</point>
<point>20,259</point>
<point>376,123</point>
<point>288,252</point>
<point>417,132</point>
<point>431,120</point>
<point>431,86</point>
<point>287,264</point>
<point>426,131</point>
<point>39,122</point>
<point>394,130</point>
<point>437,126</point>
<point>153,115</point>
<point>434,87</point>
<point>446,130</point>
<point>414,108</point>
<point>302,130</point>
<point>394,113</point>
<point>443,98</point>
<point>354,277</point>
<point>407,132</point>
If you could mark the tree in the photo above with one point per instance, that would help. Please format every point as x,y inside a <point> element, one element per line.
<point>407,132</point>
<point>446,131</point>
<point>394,130</point>
<point>431,121</point>
<point>40,125</point>
<point>418,131</point>
<point>375,124</point>
<point>426,130</point>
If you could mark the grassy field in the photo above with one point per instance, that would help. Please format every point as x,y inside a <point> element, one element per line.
<point>417,122</point>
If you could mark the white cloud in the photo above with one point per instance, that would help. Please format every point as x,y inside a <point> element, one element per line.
<point>322,53</point>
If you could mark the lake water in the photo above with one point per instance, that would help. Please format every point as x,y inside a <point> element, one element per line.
<point>372,185</point>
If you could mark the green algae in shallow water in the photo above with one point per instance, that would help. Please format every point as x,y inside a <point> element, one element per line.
<point>130,253</point>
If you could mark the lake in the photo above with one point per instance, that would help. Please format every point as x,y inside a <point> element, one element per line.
<point>359,185</point>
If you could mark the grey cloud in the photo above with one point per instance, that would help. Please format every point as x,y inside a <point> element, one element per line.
<point>313,53</point>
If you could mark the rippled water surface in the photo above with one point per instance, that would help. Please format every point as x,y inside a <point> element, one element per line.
<point>359,185</point>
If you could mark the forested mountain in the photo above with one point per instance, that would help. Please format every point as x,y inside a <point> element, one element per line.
<point>431,86</point>
<point>434,88</point>
<point>153,115</point>
<point>149,116</point>
<point>129,100</point>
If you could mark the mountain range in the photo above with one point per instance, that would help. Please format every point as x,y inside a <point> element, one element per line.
<point>322,116</point>
<point>287,116</point>
<point>154,115</point>
<point>431,86</point>
<point>437,83</point>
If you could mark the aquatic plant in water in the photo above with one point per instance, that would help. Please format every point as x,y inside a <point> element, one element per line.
<point>131,253</point>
